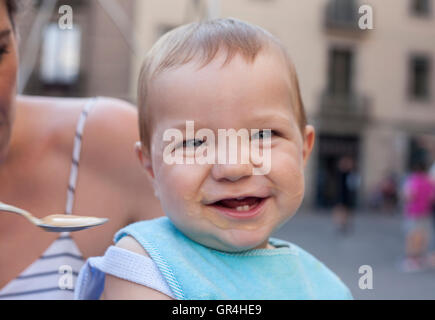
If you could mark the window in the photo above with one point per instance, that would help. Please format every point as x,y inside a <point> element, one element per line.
<point>60,59</point>
<point>418,152</point>
<point>340,72</point>
<point>72,3</point>
<point>342,11</point>
<point>419,77</point>
<point>421,7</point>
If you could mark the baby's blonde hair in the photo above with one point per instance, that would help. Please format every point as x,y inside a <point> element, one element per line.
<point>202,41</point>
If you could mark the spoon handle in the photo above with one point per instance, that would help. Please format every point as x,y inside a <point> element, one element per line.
<point>8,208</point>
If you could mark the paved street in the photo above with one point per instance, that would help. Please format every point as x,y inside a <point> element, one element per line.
<point>377,240</point>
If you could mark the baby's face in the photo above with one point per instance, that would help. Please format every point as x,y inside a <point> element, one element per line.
<point>224,205</point>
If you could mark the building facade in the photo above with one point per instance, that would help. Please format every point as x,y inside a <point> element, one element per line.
<point>98,54</point>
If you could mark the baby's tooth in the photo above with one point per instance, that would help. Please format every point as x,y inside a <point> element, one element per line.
<point>243,208</point>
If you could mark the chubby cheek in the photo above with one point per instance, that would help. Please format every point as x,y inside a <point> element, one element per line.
<point>179,187</point>
<point>287,174</point>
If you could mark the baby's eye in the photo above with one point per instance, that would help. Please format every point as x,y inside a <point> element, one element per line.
<point>263,134</point>
<point>193,143</point>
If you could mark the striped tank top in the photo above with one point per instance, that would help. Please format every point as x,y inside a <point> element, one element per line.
<point>53,275</point>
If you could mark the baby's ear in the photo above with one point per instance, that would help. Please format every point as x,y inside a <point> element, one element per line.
<point>309,138</point>
<point>144,157</point>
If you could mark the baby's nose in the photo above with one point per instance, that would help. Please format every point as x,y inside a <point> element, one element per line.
<point>231,172</point>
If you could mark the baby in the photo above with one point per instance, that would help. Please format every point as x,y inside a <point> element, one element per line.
<point>228,79</point>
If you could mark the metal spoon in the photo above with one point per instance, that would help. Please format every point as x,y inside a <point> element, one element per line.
<point>56,223</point>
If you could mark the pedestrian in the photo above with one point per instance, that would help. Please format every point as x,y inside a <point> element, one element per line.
<point>389,193</point>
<point>418,194</point>
<point>432,255</point>
<point>345,203</point>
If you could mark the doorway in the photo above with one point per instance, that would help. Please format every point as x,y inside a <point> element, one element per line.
<point>332,149</point>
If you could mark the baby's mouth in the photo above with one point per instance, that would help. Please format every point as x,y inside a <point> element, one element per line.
<point>243,204</point>
<point>246,207</point>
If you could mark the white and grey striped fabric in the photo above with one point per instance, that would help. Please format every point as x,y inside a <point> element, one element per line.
<point>51,277</point>
<point>76,155</point>
<point>54,274</point>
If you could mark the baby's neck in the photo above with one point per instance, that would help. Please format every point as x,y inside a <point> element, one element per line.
<point>265,245</point>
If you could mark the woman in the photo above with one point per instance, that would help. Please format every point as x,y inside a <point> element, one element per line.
<point>40,172</point>
<point>419,194</point>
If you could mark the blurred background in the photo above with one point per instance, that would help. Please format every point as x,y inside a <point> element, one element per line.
<point>369,93</point>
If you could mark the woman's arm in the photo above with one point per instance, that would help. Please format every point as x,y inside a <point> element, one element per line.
<point>119,289</point>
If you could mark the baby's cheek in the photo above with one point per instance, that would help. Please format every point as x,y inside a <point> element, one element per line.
<point>183,182</point>
<point>287,166</point>
<point>288,177</point>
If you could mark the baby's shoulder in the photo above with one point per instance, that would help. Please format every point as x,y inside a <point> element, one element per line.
<point>129,243</point>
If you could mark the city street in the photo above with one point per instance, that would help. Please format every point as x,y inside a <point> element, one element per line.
<point>376,240</point>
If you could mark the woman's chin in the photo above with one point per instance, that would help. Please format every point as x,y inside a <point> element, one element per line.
<point>3,153</point>
<point>4,141</point>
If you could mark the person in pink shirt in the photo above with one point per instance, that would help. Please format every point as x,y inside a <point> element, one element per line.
<point>419,194</point>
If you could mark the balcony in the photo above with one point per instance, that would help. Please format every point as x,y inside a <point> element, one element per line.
<point>344,109</point>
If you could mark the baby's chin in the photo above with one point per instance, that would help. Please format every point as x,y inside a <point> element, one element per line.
<point>236,240</point>
<point>231,239</point>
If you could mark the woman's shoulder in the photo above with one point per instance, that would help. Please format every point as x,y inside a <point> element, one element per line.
<point>110,128</point>
<point>58,115</point>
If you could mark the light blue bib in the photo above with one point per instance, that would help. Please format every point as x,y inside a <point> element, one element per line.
<point>195,272</point>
